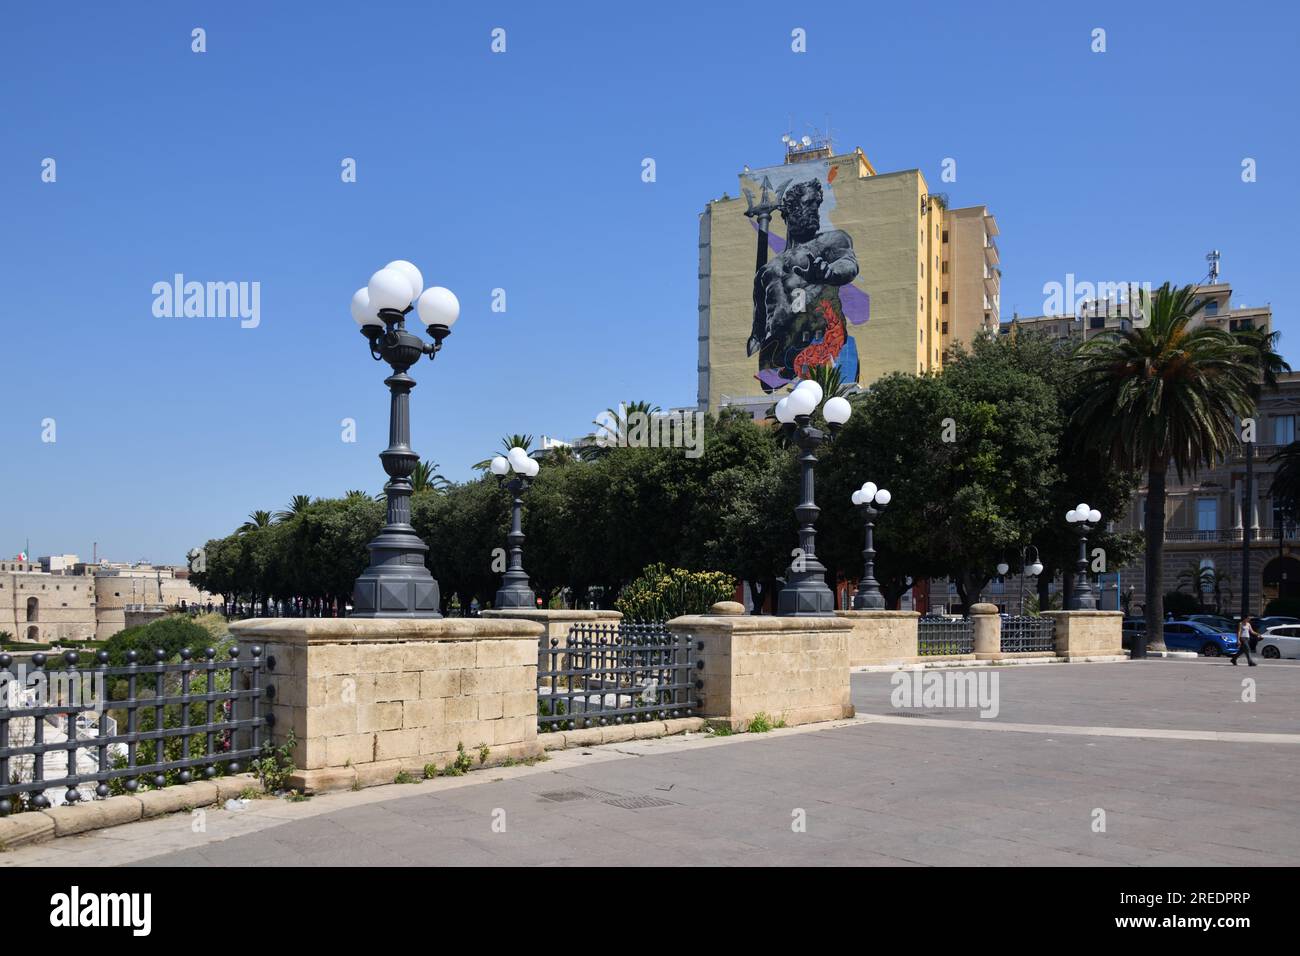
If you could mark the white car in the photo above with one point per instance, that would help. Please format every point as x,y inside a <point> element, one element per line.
<point>1280,641</point>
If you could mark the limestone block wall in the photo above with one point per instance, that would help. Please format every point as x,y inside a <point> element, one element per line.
<point>793,669</point>
<point>1087,633</point>
<point>881,637</point>
<point>367,699</point>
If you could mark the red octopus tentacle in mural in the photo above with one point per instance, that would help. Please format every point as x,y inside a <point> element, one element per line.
<point>828,349</point>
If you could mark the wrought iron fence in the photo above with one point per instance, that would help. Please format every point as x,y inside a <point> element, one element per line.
<point>944,636</point>
<point>60,724</point>
<point>1025,633</point>
<point>615,674</point>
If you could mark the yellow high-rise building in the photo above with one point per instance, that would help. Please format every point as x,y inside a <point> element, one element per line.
<point>867,271</point>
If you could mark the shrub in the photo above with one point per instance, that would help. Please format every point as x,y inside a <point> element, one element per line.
<point>170,634</point>
<point>1286,606</point>
<point>661,593</point>
<point>1180,602</point>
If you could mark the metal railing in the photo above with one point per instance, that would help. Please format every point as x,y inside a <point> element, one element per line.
<point>59,724</point>
<point>1021,633</point>
<point>615,674</point>
<point>944,636</point>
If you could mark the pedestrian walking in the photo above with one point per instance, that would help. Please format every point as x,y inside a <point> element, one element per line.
<point>1244,634</point>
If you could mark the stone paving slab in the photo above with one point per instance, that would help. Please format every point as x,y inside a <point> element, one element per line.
<point>1198,694</point>
<point>937,789</point>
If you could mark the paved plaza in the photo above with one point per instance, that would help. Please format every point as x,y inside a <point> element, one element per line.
<point>1185,771</point>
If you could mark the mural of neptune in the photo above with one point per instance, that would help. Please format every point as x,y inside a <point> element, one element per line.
<point>798,317</point>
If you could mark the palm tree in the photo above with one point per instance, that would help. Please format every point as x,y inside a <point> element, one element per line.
<point>297,505</point>
<point>1206,580</point>
<point>356,494</point>
<point>562,455</point>
<point>613,426</point>
<point>507,442</point>
<point>1159,395</point>
<point>258,519</point>
<point>425,477</point>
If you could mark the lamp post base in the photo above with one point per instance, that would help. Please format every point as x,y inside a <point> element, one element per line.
<point>397,584</point>
<point>806,598</point>
<point>514,595</point>
<point>868,601</point>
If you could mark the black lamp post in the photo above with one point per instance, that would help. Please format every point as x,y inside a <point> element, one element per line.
<point>1084,520</point>
<point>871,501</point>
<point>514,591</point>
<point>806,593</point>
<point>397,583</point>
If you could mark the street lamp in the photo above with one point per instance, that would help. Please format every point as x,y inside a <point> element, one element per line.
<point>514,591</point>
<point>872,501</point>
<point>397,583</point>
<point>1034,567</point>
<point>805,593</point>
<point>1084,520</point>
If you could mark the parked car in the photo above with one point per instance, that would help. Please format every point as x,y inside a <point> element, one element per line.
<point>1281,640</point>
<point>1262,624</point>
<point>1195,636</point>
<point>1218,622</point>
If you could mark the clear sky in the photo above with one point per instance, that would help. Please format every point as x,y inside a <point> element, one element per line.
<point>522,171</point>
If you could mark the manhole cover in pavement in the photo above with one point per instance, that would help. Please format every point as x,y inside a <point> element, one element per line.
<point>639,803</point>
<point>561,796</point>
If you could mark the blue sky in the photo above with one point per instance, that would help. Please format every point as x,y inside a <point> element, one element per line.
<point>522,171</point>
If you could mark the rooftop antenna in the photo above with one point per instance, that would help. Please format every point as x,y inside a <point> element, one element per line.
<point>1212,257</point>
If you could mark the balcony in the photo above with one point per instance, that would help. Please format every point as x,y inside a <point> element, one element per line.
<point>1229,535</point>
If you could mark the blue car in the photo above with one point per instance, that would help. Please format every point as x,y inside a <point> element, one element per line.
<point>1195,636</point>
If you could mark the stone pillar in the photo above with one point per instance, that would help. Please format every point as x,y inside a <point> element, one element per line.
<point>793,669</point>
<point>367,698</point>
<point>556,624</point>
<point>986,624</point>
<point>882,637</point>
<point>1083,634</point>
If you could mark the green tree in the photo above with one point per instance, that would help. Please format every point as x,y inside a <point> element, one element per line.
<point>1163,394</point>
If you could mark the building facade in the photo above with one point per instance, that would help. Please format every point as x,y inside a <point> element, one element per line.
<point>81,601</point>
<point>824,261</point>
<point>1204,525</point>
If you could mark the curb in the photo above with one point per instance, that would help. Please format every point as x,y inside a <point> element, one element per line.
<point>618,733</point>
<point>38,826</point>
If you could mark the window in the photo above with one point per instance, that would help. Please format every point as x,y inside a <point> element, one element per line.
<point>1212,308</point>
<point>944,270</point>
<point>945,328</point>
<point>1207,515</point>
<point>944,298</point>
<point>1283,429</point>
<point>945,235</point>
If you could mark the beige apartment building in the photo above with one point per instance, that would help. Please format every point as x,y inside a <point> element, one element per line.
<point>906,276</point>
<point>81,601</point>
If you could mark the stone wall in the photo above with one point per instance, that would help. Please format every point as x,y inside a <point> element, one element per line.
<point>367,699</point>
<point>556,623</point>
<point>1087,633</point>
<point>793,669</point>
<point>881,637</point>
